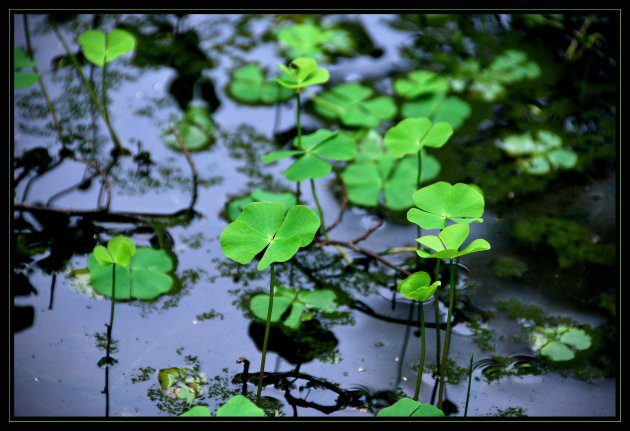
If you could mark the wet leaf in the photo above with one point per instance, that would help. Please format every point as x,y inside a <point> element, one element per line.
<point>147,276</point>
<point>314,150</point>
<point>249,86</point>
<point>406,407</point>
<point>241,407</point>
<point>442,201</point>
<point>263,224</point>
<point>411,134</point>
<point>20,61</point>
<point>101,49</point>
<point>417,286</point>
<point>355,106</point>
<point>235,207</point>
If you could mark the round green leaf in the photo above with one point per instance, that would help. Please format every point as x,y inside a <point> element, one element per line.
<point>101,49</point>
<point>451,110</point>
<point>309,166</point>
<point>411,134</point>
<point>321,299</point>
<point>557,351</point>
<point>442,201</point>
<point>241,407</point>
<point>280,250</point>
<point>146,278</point>
<point>259,305</point>
<point>121,249</point>
<point>406,407</point>
<point>235,207</point>
<point>197,411</point>
<point>363,183</point>
<point>102,256</point>
<point>299,221</point>
<point>577,338</point>
<point>248,85</point>
<point>417,287</point>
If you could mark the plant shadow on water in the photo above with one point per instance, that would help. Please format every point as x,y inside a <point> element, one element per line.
<point>194,137</point>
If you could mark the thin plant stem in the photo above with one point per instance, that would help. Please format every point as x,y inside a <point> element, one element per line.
<point>423,352</point>
<point>470,367</point>
<point>447,337</point>
<point>299,136</point>
<point>438,333</point>
<point>111,312</point>
<point>272,282</point>
<point>418,228</point>
<point>319,208</point>
<point>104,93</point>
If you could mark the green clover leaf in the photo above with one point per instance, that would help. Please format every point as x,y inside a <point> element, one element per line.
<point>442,201</point>
<point>249,86</point>
<point>268,225</point>
<point>21,61</point>
<point>101,49</point>
<point>406,407</point>
<point>314,150</point>
<point>446,244</point>
<point>411,134</point>
<point>417,287</point>
<point>419,83</point>
<point>119,251</point>
<point>235,207</point>
<point>302,72</point>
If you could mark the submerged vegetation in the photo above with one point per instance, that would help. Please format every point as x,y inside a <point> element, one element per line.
<point>480,133</point>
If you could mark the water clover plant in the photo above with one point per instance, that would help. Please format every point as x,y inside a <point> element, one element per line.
<point>406,407</point>
<point>419,83</point>
<point>248,85</point>
<point>540,154</point>
<point>305,39</point>
<point>237,406</point>
<point>302,72</point>
<point>313,152</point>
<point>440,202</point>
<point>354,105</point>
<point>22,61</point>
<point>183,383</point>
<point>196,129</point>
<point>559,343</point>
<point>418,287</point>
<point>411,134</point>
<point>439,108</point>
<point>101,49</point>
<point>375,176</point>
<point>446,244</point>
<point>235,207</point>
<point>268,226</point>
<point>302,305</point>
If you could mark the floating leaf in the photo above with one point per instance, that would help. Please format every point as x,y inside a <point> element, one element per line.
<point>411,134</point>
<point>406,407</point>
<point>446,244</point>
<point>263,224</point>
<point>540,154</point>
<point>147,276</point>
<point>375,173</point>
<point>300,303</point>
<point>101,49</point>
<point>235,207</point>
<point>240,406</point>
<point>438,108</point>
<point>196,129</point>
<point>559,343</point>
<point>249,86</point>
<point>197,411</point>
<point>303,40</point>
<point>20,61</point>
<point>442,201</point>
<point>119,250</point>
<point>184,383</point>
<point>513,66</point>
<point>416,286</point>
<point>314,150</point>
<point>302,72</point>
<point>420,82</point>
<point>353,104</point>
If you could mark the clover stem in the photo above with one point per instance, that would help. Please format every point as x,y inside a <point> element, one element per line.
<point>272,282</point>
<point>111,311</point>
<point>319,208</point>
<point>438,333</point>
<point>104,91</point>
<point>447,337</point>
<point>422,353</point>
<point>299,137</point>
<point>470,367</point>
<point>418,228</point>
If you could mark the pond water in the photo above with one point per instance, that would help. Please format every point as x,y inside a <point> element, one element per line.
<point>554,236</point>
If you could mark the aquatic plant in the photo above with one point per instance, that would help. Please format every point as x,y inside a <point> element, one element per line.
<point>268,226</point>
<point>21,61</point>
<point>235,207</point>
<point>559,343</point>
<point>249,85</point>
<point>237,406</point>
<point>406,407</point>
<point>541,154</point>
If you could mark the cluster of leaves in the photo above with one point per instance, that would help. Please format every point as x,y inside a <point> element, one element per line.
<point>183,383</point>
<point>559,343</point>
<point>313,40</point>
<point>302,72</point>
<point>376,176</point>
<point>509,67</point>
<point>427,96</point>
<point>144,272</point>
<point>540,154</point>
<point>302,304</point>
<point>249,86</point>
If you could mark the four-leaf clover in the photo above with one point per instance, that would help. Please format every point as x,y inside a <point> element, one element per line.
<point>302,72</point>
<point>268,225</point>
<point>446,244</point>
